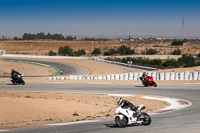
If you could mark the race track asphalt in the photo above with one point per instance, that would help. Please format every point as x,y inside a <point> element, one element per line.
<point>181,121</point>
<point>68,69</point>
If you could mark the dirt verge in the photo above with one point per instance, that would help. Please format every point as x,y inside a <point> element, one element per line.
<point>32,109</point>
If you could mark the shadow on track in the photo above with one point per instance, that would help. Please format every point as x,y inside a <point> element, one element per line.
<point>140,86</point>
<point>115,126</point>
<point>10,84</point>
<point>111,125</point>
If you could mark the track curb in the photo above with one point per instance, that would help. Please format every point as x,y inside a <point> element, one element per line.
<point>175,103</point>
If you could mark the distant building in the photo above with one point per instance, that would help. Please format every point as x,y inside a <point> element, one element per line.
<point>159,39</point>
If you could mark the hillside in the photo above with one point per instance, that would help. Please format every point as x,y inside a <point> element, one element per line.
<point>140,46</point>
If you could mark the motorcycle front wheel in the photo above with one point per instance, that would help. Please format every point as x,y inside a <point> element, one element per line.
<point>121,123</point>
<point>154,84</point>
<point>146,119</point>
<point>23,83</point>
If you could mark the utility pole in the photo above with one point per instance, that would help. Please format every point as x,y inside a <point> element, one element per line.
<point>92,45</point>
<point>1,53</point>
<point>182,28</point>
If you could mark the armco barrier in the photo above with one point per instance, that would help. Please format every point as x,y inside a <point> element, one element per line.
<point>190,77</point>
<point>172,77</point>
<point>121,76</point>
<point>124,64</point>
<point>116,76</point>
<point>112,77</point>
<point>186,76</point>
<point>162,74</point>
<point>195,75</point>
<point>135,76</point>
<point>177,76</point>
<point>130,76</point>
<point>126,75</point>
<point>181,76</point>
<point>153,74</point>
<point>199,76</point>
<point>167,75</point>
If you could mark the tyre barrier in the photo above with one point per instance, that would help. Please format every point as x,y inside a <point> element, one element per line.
<point>187,75</point>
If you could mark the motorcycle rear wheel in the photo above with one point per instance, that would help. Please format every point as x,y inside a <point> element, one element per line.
<point>121,123</point>
<point>146,120</point>
<point>145,84</point>
<point>14,82</point>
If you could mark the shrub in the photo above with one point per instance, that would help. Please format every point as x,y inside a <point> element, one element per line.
<point>171,63</point>
<point>151,51</point>
<point>96,51</point>
<point>177,43</point>
<point>187,60</point>
<point>66,50</point>
<point>110,52</point>
<point>51,53</point>
<point>75,114</point>
<point>156,62</point>
<point>79,52</point>
<point>176,52</point>
<point>124,50</point>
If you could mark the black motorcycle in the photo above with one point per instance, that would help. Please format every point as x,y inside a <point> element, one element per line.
<point>17,79</point>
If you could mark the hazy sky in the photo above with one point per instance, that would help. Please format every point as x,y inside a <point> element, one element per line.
<point>100,17</point>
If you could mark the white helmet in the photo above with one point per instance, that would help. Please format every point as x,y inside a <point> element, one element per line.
<point>120,101</point>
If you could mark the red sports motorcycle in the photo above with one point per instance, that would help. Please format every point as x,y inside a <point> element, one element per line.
<point>148,81</point>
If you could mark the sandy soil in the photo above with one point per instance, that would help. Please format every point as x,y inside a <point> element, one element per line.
<point>26,69</point>
<point>43,47</point>
<point>33,109</point>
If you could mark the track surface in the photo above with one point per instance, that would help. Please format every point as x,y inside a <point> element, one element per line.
<point>181,121</point>
<point>68,69</point>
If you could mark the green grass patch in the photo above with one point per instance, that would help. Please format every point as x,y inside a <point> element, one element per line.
<point>28,97</point>
<point>75,114</point>
<point>108,115</point>
<point>50,119</point>
<point>55,70</point>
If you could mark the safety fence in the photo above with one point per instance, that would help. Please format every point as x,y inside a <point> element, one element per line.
<point>124,64</point>
<point>187,75</point>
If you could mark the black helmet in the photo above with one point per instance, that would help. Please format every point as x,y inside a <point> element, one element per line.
<point>144,74</point>
<point>120,101</point>
<point>13,70</point>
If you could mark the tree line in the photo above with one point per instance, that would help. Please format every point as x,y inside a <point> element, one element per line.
<point>184,61</point>
<point>43,36</point>
<point>121,50</point>
<point>67,51</point>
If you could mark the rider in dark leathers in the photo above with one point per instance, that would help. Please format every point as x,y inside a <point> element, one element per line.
<point>144,75</point>
<point>15,73</point>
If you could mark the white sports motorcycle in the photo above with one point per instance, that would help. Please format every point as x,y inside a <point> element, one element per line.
<point>124,117</point>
